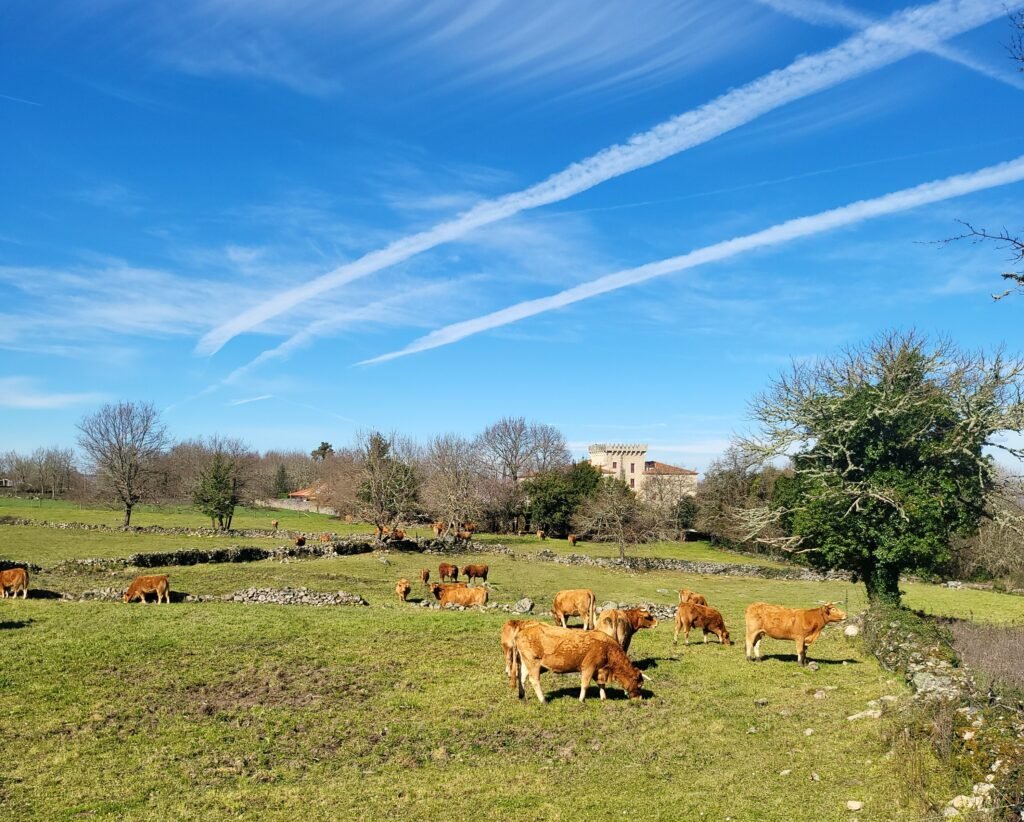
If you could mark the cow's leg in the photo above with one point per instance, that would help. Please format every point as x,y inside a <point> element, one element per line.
<point>535,679</point>
<point>705,636</point>
<point>586,674</point>
<point>675,636</point>
<point>24,592</point>
<point>801,652</point>
<point>563,620</point>
<point>519,672</point>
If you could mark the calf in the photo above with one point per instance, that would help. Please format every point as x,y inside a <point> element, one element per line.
<point>692,597</point>
<point>448,572</point>
<point>16,578</point>
<point>471,572</point>
<point>466,597</point>
<point>402,589</point>
<point>572,539</point>
<point>425,575</point>
<point>508,647</point>
<point>438,528</point>
<point>160,584</point>
<point>437,588</point>
<point>689,615</point>
<point>541,647</point>
<point>541,534</point>
<point>324,538</point>
<point>803,626</point>
<point>621,624</point>
<point>300,541</point>
<point>274,524</point>
<point>575,602</point>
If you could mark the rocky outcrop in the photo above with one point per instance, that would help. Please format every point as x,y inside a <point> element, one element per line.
<point>250,596</point>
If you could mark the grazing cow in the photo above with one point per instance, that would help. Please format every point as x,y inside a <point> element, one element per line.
<point>572,538</point>
<point>160,584</point>
<point>508,646</point>
<point>397,534</point>
<point>300,541</point>
<point>575,602</point>
<point>325,538</point>
<point>425,575</point>
<point>692,597</point>
<point>16,578</point>
<point>438,588</point>
<point>466,597</point>
<point>469,526</point>
<point>471,572</point>
<point>801,625</point>
<point>463,536</point>
<point>438,528</point>
<point>621,624</point>
<point>402,589</point>
<point>541,534</point>
<point>273,524</point>
<point>709,620</point>
<point>448,572</point>
<point>349,519</point>
<point>541,647</point>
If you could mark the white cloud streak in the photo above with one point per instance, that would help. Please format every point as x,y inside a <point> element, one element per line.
<point>248,400</point>
<point>21,393</point>
<point>821,13</point>
<point>866,51</point>
<point>933,192</point>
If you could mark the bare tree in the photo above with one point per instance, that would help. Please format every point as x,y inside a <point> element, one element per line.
<point>452,489</point>
<point>20,469</point>
<point>549,447</point>
<point>123,442</point>
<point>614,514</point>
<point>506,448</point>
<point>388,489</point>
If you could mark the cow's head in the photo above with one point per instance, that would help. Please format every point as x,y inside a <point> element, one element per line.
<point>724,636</point>
<point>631,679</point>
<point>831,613</point>
<point>435,589</point>
<point>125,597</point>
<point>642,618</point>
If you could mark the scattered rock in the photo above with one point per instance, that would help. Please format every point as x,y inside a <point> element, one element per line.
<point>815,777</point>
<point>968,803</point>
<point>871,713</point>
<point>854,805</point>
<point>786,772</point>
<point>851,630</point>
<point>761,702</point>
<point>524,606</point>
<point>808,731</point>
<point>819,694</point>
<point>812,666</point>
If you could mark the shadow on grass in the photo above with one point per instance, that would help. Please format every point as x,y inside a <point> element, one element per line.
<point>43,593</point>
<point>15,623</point>
<point>792,658</point>
<point>612,691</point>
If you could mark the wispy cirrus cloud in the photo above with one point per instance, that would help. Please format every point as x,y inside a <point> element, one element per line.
<point>933,192</point>
<point>24,393</point>
<point>248,400</point>
<point>866,51</point>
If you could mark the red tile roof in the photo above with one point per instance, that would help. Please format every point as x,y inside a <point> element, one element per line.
<point>661,468</point>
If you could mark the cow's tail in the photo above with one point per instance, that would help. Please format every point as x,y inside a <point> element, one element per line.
<point>593,612</point>
<point>517,668</point>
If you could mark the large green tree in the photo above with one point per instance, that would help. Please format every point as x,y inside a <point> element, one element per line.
<point>890,451</point>
<point>555,495</point>
<point>217,492</point>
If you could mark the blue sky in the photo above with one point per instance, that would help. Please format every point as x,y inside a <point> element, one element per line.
<point>286,221</point>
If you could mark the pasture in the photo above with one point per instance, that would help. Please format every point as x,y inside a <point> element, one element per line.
<point>395,710</point>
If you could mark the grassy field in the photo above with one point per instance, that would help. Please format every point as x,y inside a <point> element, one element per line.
<point>395,711</point>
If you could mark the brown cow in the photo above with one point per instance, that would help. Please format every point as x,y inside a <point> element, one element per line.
<point>541,534</point>
<point>621,624</point>
<point>159,584</point>
<point>801,625</point>
<point>575,602</point>
<point>438,588</point>
<point>425,575</point>
<point>545,647</point>
<point>508,647</point>
<point>402,589</point>
<point>274,524</point>
<point>466,597</point>
<point>692,597</point>
<point>397,534</point>
<point>572,539</point>
<point>16,578</point>
<point>446,572</point>
<point>300,541</point>
<point>438,528</point>
<point>689,615</point>
<point>471,572</point>
<point>325,538</point>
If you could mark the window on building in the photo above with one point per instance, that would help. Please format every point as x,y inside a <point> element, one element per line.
<point>632,483</point>
<point>615,464</point>
<point>632,468</point>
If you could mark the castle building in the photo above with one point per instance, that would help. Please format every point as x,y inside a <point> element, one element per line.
<point>649,478</point>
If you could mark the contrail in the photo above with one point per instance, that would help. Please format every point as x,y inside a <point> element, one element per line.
<point>877,46</point>
<point>933,192</point>
<point>821,13</point>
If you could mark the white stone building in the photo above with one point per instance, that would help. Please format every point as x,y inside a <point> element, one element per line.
<point>628,462</point>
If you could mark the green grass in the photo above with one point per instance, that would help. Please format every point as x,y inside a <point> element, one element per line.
<point>964,603</point>
<point>170,516</point>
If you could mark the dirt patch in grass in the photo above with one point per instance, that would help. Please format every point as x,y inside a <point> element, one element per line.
<point>298,686</point>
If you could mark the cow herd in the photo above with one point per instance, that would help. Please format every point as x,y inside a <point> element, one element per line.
<point>600,649</point>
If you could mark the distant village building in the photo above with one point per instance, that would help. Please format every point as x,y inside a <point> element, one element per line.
<point>649,478</point>
<point>6,483</point>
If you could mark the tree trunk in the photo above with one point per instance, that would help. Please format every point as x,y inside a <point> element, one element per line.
<point>883,584</point>
<point>127,516</point>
